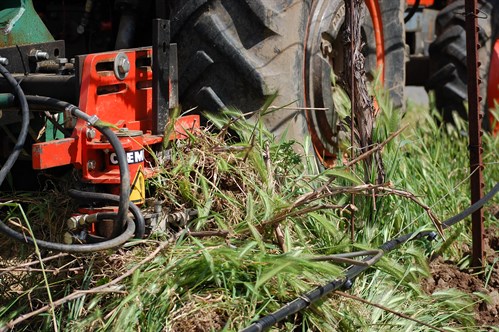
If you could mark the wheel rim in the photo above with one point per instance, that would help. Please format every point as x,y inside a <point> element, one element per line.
<point>324,54</point>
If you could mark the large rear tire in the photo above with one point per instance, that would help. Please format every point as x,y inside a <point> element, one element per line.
<point>449,75</point>
<point>239,52</point>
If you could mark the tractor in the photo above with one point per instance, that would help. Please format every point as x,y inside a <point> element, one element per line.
<point>95,81</point>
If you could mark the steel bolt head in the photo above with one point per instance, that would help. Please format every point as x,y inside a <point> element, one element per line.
<point>62,61</point>
<point>41,55</point>
<point>90,134</point>
<point>123,65</point>
<point>91,165</point>
<point>73,222</point>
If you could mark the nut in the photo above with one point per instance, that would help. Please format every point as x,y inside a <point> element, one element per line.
<point>123,65</point>
<point>91,165</point>
<point>90,134</point>
<point>61,61</point>
<point>73,222</point>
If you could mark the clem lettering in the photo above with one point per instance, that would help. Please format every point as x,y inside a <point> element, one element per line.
<point>132,157</point>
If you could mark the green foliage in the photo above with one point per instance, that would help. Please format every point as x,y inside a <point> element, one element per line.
<point>245,182</point>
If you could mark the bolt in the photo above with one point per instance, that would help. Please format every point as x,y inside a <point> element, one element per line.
<point>90,134</point>
<point>123,66</point>
<point>80,29</point>
<point>4,61</point>
<point>73,222</point>
<point>40,55</point>
<point>62,61</point>
<point>91,165</point>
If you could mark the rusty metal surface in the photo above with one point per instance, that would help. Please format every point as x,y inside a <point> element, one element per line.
<point>475,131</point>
<point>20,60</point>
<point>160,72</point>
<point>350,11</point>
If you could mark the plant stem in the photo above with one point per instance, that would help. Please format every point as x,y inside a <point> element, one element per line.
<point>356,298</point>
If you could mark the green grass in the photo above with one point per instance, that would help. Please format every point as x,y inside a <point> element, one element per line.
<point>242,186</point>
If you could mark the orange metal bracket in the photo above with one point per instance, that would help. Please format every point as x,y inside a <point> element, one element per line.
<point>493,87</point>
<point>375,12</point>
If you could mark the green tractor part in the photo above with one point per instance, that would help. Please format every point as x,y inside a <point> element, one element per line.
<point>21,25</point>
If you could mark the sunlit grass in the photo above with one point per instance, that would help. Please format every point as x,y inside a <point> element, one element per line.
<point>240,184</point>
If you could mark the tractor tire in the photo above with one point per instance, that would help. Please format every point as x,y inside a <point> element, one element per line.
<point>238,53</point>
<point>448,70</point>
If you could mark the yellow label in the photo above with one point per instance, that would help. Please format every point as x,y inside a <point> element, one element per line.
<point>138,188</point>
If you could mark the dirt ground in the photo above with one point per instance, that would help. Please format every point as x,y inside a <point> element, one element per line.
<point>445,275</point>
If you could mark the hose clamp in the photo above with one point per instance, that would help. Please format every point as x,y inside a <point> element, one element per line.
<point>93,120</point>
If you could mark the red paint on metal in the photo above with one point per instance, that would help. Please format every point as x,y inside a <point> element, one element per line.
<point>422,3</point>
<point>493,88</point>
<point>53,154</point>
<point>124,104</point>
<point>376,17</point>
<point>183,125</point>
<point>326,157</point>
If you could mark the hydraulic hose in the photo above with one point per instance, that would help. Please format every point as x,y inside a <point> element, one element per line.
<point>140,225</point>
<point>73,248</point>
<point>24,123</point>
<point>352,272</point>
<point>124,199</point>
<point>111,137</point>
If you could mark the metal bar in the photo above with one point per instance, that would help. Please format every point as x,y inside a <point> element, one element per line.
<point>475,132</point>
<point>353,98</point>
<point>160,75</point>
<point>174,98</point>
<point>63,87</point>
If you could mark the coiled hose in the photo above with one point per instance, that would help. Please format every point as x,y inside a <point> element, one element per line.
<point>92,197</point>
<point>352,272</point>
<point>124,198</point>
<point>111,137</point>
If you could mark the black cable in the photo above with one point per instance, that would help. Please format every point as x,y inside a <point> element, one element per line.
<point>111,137</point>
<point>352,272</point>
<point>413,11</point>
<point>124,198</point>
<point>9,163</point>
<point>140,224</point>
<point>73,248</point>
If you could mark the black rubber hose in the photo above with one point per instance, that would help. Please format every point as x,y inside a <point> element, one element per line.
<point>392,244</point>
<point>352,272</point>
<point>113,140</point>
<point>24,123</point>
<point>140,225</point>
<point>73,248</point>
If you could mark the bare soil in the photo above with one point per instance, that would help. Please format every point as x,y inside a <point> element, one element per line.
<point>445,275</point>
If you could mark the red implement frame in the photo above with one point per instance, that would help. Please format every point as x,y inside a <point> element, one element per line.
<point>122,103</point>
